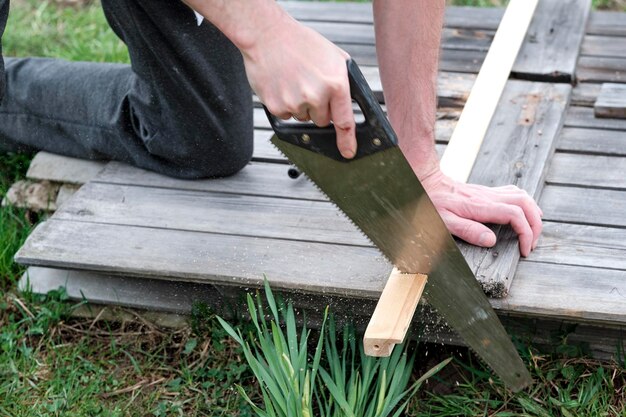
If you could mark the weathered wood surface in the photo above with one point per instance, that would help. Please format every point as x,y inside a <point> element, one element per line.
<point>588,170</point>
<point>611,102</point>
<point>593,206</point>
<point>455,17</point>
<point>212,212</point>
<point>583,117</point>
<point>601,69</point>
<point>607,23</point>
<point>200,257</point>
<point>51,167</point>
<point>567,292</point>
<point>583,245</point>
<point>604,46</point>
<point>516,150</point>
<point>592,141</point>
<point>553,41</point>
<point>584,94</point>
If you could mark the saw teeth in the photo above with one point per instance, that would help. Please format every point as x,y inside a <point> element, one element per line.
<point>337,207</point>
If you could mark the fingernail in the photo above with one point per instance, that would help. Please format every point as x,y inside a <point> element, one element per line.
<point>348,153</point>
<point>485,239</point>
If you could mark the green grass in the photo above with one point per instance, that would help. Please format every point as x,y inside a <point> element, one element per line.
<point>54,365</point>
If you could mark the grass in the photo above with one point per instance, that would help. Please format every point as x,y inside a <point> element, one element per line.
<point>54,365</point>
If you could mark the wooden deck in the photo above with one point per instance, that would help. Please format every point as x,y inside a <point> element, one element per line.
<point>135,238</point>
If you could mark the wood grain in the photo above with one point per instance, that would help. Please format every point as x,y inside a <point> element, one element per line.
<point>481,104</point>
<point>592,141</point>
<point>553,41</point>
<point>584,205</point>
<point>588,170</point>
<point>611,102</point>
<point>516,151</point>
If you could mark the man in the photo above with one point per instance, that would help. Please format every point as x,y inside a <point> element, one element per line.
<point>183,108</point>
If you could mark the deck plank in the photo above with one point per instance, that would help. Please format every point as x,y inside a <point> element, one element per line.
<point>607,23</point>
<point>592,141</point>
<point>205,257</point>
<point>601,69</point>
<point>584,205</point>
<point>583,245</point>
<point>588,170</point>
<point>611,102</point>
<point>520,141</point>
<point>567,292</point>
<point>552,44</point>
<point>583,117</point>
<point>229,214</point>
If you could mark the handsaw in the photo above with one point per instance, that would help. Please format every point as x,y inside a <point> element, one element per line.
<point>379,192</point>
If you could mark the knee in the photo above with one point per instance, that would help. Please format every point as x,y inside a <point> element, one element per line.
<point>217,154</point>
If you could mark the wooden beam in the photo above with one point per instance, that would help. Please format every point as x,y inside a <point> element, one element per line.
<point>393,313</point>
<point>458,160</point>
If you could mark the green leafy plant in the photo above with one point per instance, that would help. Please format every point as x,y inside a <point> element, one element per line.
<point>335,380</point>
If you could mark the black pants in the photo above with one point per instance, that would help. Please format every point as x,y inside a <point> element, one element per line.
<point>182,108</point>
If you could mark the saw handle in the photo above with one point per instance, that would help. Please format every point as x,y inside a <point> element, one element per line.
<point>373,135</point>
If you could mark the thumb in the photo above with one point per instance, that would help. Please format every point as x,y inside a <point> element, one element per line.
<point>470,231</point>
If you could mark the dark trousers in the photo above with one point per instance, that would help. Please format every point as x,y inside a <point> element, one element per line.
<point>182,108</point>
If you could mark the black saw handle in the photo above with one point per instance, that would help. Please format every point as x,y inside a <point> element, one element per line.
<point>372,135</point>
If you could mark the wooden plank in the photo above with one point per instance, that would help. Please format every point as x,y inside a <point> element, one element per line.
<point>607,23</point>
<point>592,141</point>
<point>583,245</point>
<point>567,292</point>
<point>144,293</point>
<point>604,46</point>
<point>394,313</point>
<point>583,117</point>
<point>212,212</point>
<point>58,168</point>
<point>601,69</point>
<point>455,17</point>
<point>517,149</point>
<point>256,179</point>
<point>465,142</point>
<point>205,257</point>
<point>350,33</point>
<point>585,94</point>
<point>584,205</point>
<point>588,170</point>
<point>553,41</point>
<point>611,102</point>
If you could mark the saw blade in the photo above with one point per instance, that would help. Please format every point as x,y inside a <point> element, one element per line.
<point>382,196</point>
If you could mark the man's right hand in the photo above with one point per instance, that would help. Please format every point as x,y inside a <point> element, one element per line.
<point>297,72</point>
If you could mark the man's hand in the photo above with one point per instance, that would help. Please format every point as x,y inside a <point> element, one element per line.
<point>293,69</point>
<point>297,72</point>
<point>464,207</point>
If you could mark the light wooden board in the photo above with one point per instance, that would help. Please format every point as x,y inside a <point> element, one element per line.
<point>591,206</point>
<point>472,126</point>
<point>515,151</point>
<point>611,102</point>
<point>592,141</point>
<point>206,257</point>
<point>553,41</point>
<point>588,170</point>
<point>58,168</point>
<point>584,245</point>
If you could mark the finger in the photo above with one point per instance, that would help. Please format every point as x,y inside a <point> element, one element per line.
<point>513,195</point>
<point>470,231</point>
<point>500,213</point>
<point>343,119</point>
<point>320,115</point>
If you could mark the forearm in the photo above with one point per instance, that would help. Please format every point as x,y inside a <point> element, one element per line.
<point>242,21</point>
<point>408,34</point>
